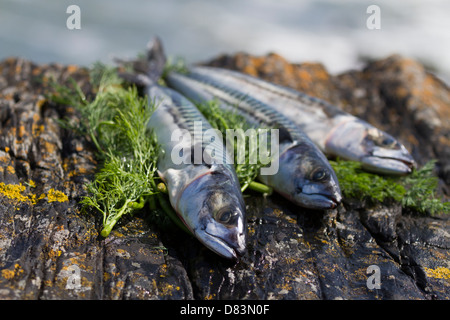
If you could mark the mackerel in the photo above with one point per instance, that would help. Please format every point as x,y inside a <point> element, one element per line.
<point>305,176</point>
<point>337,133</point>
<point>204,191</point>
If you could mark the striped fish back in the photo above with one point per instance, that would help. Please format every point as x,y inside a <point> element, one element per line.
<point>186,116</point>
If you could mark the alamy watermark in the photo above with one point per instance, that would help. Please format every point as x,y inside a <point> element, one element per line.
<point>374,280</point>
<point>206,147</point>
<point>74,279</point>
<point>73,22</point>
<point>373,22</point>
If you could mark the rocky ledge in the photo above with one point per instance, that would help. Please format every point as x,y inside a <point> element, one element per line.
<point>49,249</point>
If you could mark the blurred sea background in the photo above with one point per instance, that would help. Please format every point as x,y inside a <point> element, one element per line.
<point>331,32</point>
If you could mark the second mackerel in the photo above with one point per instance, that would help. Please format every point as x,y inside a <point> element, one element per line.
<point>337,133</point>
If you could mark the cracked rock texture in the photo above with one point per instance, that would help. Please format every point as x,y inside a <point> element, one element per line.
<point>51,250</point>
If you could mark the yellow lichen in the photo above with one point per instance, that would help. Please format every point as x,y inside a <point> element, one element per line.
<point>439,273</point>
<point>167,289</point>
<point>17,193</point>
<point>13,191</point>
<point>55,195</point>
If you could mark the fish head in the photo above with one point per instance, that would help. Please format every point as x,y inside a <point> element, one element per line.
<point>307,179</point>
<point>213,209</point>
<point>377,151</point>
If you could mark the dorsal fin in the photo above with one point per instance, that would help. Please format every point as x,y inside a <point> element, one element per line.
<point>284,135</point>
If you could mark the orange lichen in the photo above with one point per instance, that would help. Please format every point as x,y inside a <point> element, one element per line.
<point>10,274</point>
<point>72,68</point>
<point>49,147</point>
<point>304,75</point>
<point>22,131</point>
<point>11,169</point>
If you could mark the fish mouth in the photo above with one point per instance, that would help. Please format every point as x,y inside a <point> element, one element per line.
<point>321,201</point>
<point>388,165</point>
<point>220,246</point>
<point>315,201</point>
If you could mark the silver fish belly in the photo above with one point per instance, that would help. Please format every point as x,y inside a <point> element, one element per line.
<point>204,191</point>
<point>304,176</point>
<point>336,132</point>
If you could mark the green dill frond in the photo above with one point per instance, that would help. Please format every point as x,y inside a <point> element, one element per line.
<point>102,76</point>
<point>116,122</point>
<point>129,149</point>
<point>224,120</point>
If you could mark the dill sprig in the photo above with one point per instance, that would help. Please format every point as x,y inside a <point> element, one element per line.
<point>415,191</point>
<point>115,120</point>
<point>224,120</point>
<point>130,152</point>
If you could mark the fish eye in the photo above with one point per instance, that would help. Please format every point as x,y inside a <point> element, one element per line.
<point>388,141</point>
<point>381,139</point>
<point>318,175</point>
<point>226,216</point>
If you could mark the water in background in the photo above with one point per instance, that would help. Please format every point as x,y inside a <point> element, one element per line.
<point>328,31</point>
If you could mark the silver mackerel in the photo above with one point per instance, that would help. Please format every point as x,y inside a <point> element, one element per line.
<point>204,192</point>
<point>336,132</point>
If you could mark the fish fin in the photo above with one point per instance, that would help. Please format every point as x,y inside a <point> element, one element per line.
<point>161,175</point>
<point>156,59</point>
<point>216,167</point>
<point>146,70</point>
<point>284,135</point>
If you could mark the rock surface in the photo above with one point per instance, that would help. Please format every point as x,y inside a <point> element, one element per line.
<point>49,249</point>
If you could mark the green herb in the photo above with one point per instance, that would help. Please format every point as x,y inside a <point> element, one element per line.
<point>415,191</point>
<point>420,193</point>
<point>223,120</point>
<point>116,122</point>
<point>130,152</point>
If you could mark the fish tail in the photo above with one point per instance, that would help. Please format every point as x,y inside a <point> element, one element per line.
<point>156,59</point>
<point>148,70</point>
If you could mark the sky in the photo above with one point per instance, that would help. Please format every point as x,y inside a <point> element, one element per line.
<point>334,33</point>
